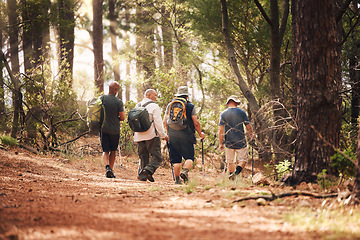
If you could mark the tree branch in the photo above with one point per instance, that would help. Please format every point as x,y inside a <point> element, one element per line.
<point>263,13</point>
<point>286,194</point>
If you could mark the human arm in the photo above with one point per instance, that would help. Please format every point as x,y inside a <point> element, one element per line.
<point>197,126</point>
<point>158,123</point>
<point>221,137</point>
<point>122,116</point>
<point>250,132</point>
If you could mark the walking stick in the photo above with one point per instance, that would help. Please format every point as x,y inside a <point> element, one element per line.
<point>172,169</point>
<point>252,163</point>
<point>202,154</point>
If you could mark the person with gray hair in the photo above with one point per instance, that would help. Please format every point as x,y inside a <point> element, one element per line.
<point>148,142</point>
<point>231,126</point>
<point>110,131</point>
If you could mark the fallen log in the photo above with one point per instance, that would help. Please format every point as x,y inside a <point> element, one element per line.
<point>274,196</point>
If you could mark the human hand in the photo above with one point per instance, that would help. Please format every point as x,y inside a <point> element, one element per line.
<point>221,146</point>
<point>202,135</point>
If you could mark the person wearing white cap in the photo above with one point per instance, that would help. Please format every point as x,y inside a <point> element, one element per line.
<point>181,121</point>
<point>231,126</point>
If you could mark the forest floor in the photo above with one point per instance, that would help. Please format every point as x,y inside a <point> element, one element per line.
<point>53,197</point>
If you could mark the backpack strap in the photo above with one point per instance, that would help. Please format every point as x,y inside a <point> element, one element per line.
<point>147,103</point>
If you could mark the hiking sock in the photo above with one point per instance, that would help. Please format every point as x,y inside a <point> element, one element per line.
<point>185,170</point>
<point>238,170</point>
<point>107,167</point>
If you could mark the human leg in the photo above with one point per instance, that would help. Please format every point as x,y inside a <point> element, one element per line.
<point>143,154</point>
<point>230,159</point>
<point>176,159</point>
<point>154,148</point>
<point>241,159</point>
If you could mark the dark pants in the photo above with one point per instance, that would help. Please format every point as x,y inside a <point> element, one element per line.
<point>146,149</point>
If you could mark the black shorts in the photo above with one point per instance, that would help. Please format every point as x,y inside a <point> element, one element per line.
<point>180,146</point>
<point>109,142</point>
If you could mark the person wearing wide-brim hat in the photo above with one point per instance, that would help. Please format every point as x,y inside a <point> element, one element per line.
<point>182,133</point>
<point>231,126</point>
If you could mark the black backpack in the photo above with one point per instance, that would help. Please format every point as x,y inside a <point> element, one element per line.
<point>138,118</point>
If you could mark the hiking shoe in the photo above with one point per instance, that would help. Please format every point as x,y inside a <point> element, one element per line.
<point>109,174</point>
<point>145,175</point>
<point>184,176</point>
<point>178,182</point>
<point>142,176</point>
<point>148,175</point>
<point>232,176</point>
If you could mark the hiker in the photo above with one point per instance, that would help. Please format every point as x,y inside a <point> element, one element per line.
<point>231,124</point>
<point>181,121</point>
<point>110,131</point>
<point>148,142</point>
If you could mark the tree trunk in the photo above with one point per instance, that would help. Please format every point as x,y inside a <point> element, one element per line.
<point>356,190</point>
<point>128,63</point>
<point>66,36</point>
<point>114,50</point>
<point>232,60</point>
<point>98,45</point>
<point>27,36</point>
<point>276,32</point>
<point>167,40</point>
<point>354,75</point>
<point>317,77</point>
<point>2,90</point>
<point>14,59</point>
<point>145,49</point>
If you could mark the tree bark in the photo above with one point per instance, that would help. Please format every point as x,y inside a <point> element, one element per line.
<point>2,90</point>
<point>317,77</point>
<point>277,31</point>
<point>66,36</point>
<point>114,49</point>
<point>98,45</point>
<point>14,59</point>
<point>167,40</point>
<point>232,60</point>
<point>356,189</point>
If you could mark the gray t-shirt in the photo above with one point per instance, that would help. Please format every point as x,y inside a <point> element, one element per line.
<point>234,120</point>
<point>113,106</point>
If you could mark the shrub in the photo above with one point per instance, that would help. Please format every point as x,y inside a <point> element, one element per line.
<point>8,141</point>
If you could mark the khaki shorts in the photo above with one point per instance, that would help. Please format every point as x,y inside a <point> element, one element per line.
<point>241,155</point>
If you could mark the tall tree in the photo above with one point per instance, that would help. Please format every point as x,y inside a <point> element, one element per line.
<point>277,32</point>
<point>114,48</point>
<point>317,77</point>
<point>14,59</point>
<point>167,39</point>
<point>66,38</point>
<point>356,190</point>
<point>2,90</point>
<point>145,46</point>
<point>98,44</point>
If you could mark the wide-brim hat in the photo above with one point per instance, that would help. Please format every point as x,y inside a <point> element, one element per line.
<point>182,91</point>
<point>234,98</point>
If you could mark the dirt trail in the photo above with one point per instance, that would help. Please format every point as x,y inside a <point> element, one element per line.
<point>53,198</point>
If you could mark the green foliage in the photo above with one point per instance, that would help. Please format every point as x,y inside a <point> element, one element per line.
<point>126,134</point>
<point>344,163</point>
<point>325,180</point>
<point>8,141</point>
<point>282,168</point>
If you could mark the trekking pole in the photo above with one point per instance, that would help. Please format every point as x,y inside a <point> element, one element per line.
<point>202,154</point>
<point>252,163</point>
<point>172,169</point>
